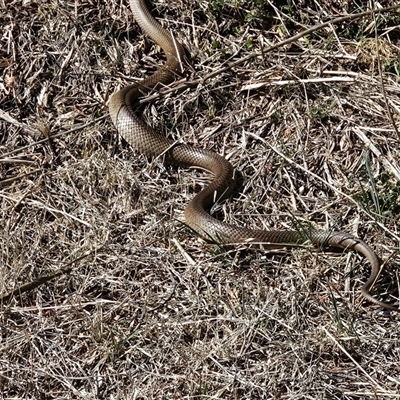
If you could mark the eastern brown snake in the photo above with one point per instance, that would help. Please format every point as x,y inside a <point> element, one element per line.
<point>144,139</point>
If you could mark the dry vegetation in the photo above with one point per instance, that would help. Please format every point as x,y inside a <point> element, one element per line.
<point>148,310</point>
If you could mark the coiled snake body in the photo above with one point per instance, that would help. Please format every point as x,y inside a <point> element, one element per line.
<point>143,138</point>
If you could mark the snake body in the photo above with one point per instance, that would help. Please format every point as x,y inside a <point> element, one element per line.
<point>144,139</point>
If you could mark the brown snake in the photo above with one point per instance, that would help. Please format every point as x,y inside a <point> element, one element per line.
<point>144,139</point>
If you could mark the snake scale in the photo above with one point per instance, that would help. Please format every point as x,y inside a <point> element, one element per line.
<point>144,139</point>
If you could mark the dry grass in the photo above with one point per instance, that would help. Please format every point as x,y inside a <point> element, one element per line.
<point>149,310</point>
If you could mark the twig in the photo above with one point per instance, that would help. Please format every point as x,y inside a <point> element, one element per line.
<point>357,365</point>
<point>53,136</point>
<point>258,85</point>
<point>44,206</point>
<point>43,279</point>
<point>296,37</point>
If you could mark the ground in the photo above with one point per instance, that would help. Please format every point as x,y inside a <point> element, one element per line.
<point>135,305</point>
